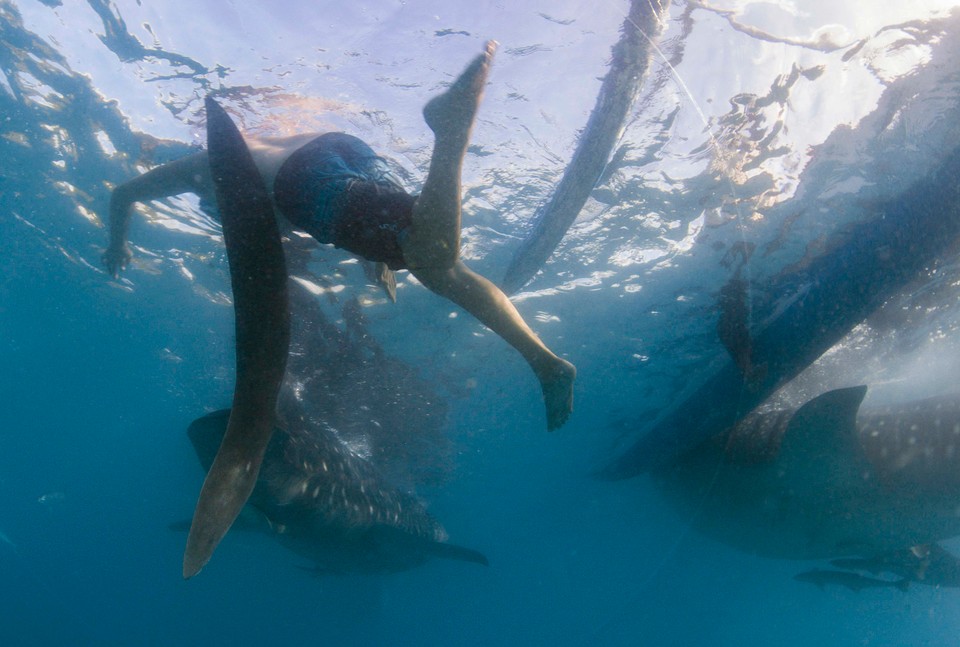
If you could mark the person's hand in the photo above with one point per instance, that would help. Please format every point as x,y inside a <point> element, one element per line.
<point>116,259</point>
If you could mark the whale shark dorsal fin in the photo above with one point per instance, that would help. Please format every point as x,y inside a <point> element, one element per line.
<point>836,409</point>
<point>821,446</point>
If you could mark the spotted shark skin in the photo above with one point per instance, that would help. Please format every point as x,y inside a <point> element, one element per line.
<point>825,480</point>
<point>333,507</point>
<point>916,445</point>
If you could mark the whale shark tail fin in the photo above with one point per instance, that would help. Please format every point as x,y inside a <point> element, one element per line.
<point>258,276</point>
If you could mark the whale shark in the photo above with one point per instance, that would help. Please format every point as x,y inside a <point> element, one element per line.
<point>826,480</point>
<point>330,506</point>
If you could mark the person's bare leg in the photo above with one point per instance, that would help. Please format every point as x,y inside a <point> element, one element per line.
<point>431,245</point>
<point>491,307</point>
<point>433,238</point>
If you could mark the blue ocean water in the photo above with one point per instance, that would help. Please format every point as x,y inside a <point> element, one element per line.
<point>761,126</point>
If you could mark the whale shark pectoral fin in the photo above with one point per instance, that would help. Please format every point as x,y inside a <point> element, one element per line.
<point>397,541</point>
<point>460,553</point>
<point>820,447</point>
<point>258,276</point>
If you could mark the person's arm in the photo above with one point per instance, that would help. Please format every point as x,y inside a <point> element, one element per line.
<point>190,174</point>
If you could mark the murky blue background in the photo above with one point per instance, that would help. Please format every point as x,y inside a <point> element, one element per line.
<point>773,124</point>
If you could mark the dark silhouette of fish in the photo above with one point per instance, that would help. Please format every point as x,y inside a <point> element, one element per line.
<point>331,506</point>
<point>258,276</point>
<point>823,481</point>
<point>851,581</point>
<point>928,564</point>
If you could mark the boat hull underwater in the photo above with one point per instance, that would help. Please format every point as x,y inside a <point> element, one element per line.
<point>827,298</point>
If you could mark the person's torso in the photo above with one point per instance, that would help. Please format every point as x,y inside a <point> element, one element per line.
<point>331,187</point>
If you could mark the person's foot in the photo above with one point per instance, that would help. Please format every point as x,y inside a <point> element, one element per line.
<point>557,385</point>
<point>451,114</point>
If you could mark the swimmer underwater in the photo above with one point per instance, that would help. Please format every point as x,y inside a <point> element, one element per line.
<point>334,187</point>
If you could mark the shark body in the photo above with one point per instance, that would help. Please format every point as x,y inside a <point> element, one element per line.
<point>331,506</point>
<point>823,481</point>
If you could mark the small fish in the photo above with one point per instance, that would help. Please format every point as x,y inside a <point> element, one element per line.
<point>51,498</point>
<point>851,581</point>
<point>928,564</point>
<point>6,540</point>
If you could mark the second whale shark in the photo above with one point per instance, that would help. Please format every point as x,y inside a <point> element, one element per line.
<point>826,480</point>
